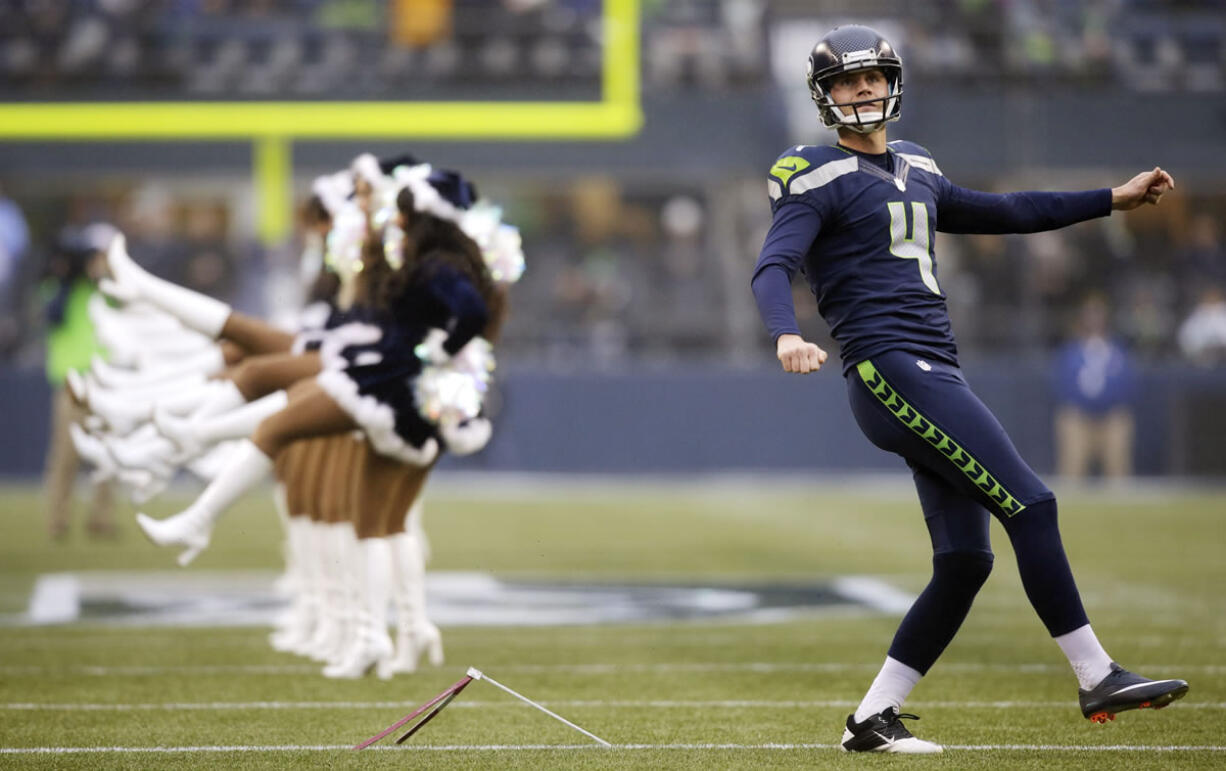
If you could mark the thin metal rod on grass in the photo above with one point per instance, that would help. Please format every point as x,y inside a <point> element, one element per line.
<point>477,674</point>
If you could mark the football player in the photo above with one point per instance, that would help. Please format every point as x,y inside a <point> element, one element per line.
<point>858,218</point>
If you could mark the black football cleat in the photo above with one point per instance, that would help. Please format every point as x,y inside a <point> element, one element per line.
<point>1122,690</point>
<point>884,733</point>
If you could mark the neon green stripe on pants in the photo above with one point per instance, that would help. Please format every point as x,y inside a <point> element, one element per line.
<point>963,460</point>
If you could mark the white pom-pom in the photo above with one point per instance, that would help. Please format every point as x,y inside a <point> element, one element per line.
<point>451,395</point>
<point>343,247</point>
<point>467,437</point>
<point>500,244</point>
<point>366,166</point>
<point>505,255</point>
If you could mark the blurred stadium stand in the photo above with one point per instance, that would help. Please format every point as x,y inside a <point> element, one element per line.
<point>301,49</point>
<point>63,49</point>
<point>640,251</point>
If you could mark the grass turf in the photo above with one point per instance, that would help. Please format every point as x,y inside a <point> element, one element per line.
<point>686,695</point>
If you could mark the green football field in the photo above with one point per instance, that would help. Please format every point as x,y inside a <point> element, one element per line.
<point>717,693</point>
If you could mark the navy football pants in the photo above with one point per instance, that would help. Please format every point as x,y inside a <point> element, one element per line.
<point>966,470</point>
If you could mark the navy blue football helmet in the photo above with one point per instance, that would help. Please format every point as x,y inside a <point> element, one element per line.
<point>848,48</point>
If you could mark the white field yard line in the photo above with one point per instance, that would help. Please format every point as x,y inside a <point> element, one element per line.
<point>560,703</point>
<point>595,669</point>
<point>595,747</point>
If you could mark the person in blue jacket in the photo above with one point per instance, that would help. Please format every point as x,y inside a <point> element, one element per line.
<point>1094,382</point>
<point>857,219</point>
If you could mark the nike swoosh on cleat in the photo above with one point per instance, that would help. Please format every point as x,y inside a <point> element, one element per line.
<point>1140,685</point>
<point>888,742</point>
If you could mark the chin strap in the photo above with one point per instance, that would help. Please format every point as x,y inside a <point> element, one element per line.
<point>864,123</point>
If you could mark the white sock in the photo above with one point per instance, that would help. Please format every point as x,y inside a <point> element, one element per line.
<point>1086,655</point>
<point>890,688</point>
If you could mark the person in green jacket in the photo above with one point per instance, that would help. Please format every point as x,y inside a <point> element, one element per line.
<point>78,263</point>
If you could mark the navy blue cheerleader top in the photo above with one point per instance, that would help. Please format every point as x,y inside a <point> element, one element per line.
<point>436,296</point>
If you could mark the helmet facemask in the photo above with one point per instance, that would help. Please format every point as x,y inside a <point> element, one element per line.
<point>866,115</point>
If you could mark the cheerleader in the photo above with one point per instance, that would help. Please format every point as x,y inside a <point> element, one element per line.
<point>411,378</point>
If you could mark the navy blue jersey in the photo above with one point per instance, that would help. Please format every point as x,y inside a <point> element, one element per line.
<point>863,237</point>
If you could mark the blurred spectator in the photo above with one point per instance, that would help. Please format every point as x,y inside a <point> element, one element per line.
<point>684,46</point>
<point>418,23</point>
<point>75,267</point>
<point>1094,383</point>
<point>14,243</point>
<point>1203,258</point>
<point>687,302</point>
<point>592,295</point>
<point>1149,318</point>
<point>1202,336</point>
<point>210,264</point>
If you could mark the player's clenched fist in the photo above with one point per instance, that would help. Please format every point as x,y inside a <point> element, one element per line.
<point>797,355</point>
<point>1146,187</point>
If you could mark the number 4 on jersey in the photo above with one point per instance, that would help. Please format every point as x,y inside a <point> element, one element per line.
<point>917,247</point>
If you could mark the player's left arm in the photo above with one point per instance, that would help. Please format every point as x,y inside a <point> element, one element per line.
<point>960,210</point>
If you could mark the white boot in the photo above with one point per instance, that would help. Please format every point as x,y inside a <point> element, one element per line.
<point>142,485</point>
<point>207,466</point>
<point>371,644</point>
<point>294,635</point>
<point>122,416</point>
<point>223,397</point>
<point>324,571</point>
<point>159,391</point>
<point>143,449</point>
<point>126,409</point>
<point>138,452</point>
<point>135,317</point>
<point>91,449</point>
<point>131,324</point>
<point>236,423</point>
<point>415,634</point>
<point>331,627</point>
<point>208,362</point>
<point>195,310</point>
<point>349,592</point>
<point>168,350</point>
<point>289,584</point>
<point>75,383</point>
<point>141,347</point>
<point>110,375</point>
<point>192,527</point>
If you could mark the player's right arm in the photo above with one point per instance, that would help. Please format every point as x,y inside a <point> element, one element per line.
<point>794,226</point>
